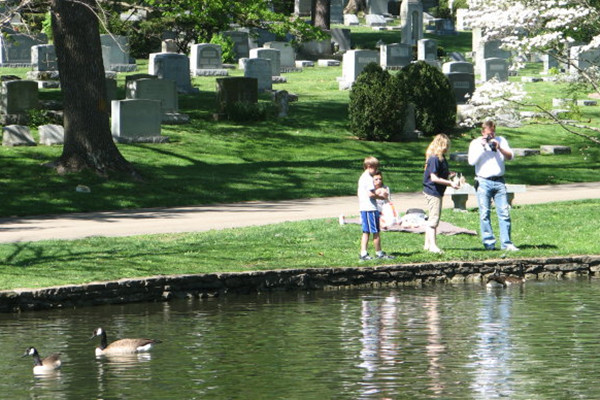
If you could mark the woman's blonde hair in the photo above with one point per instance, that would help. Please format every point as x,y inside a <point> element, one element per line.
<point>438,146</point>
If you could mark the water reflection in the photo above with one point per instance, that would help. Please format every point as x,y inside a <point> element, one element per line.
<point>429,343</point>
<point>492,353</point>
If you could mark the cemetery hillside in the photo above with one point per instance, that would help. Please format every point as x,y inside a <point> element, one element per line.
<point>292,138</point>
<point>215,113</point>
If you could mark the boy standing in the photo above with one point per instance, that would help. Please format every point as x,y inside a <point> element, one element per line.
<point>367,201</point>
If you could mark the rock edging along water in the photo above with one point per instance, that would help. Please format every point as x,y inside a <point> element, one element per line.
<point>163,288</point>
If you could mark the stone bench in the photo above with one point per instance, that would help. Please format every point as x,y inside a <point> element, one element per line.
<point>461,195</point>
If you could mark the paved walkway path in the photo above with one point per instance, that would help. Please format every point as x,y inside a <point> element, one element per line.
<point>220,216</point>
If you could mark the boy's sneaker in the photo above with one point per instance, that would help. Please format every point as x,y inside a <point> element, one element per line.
<point>511,247</point>
<point>366,257</point>
<point>385,256</point>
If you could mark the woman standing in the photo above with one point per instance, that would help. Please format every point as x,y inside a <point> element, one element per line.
<point>435,180</point>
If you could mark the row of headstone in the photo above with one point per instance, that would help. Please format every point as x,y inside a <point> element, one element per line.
<point>20,135</point>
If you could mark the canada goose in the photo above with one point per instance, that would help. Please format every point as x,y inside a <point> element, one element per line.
<point>122,346</point>
<point>497,280</point>
<point>43,365</point>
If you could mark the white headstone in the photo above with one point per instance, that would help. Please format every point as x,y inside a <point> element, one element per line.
<point>19,96</point>
<point>287,53</point>
<point>351,20</point>
<point>17,135</point>
<point>15,49</point>
<point>205,60</point>
<point>162,90</point>
<point>259,68</point>
<point>494,68</point>
<point>353,63</point>
<point>175,67</point>
<point>375,20</point>
<point>136,120</point>
<point>427,50</point>
<point>51,134</point>
<point>272,55</point>
<point>411,21</point>
<point>115,53</point>
<point>458,66</point>
<point>463,84</point>
<point>43,57</point>
<point>395,55</point>
<point>241,44</point>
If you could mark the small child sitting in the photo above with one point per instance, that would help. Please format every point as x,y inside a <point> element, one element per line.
<point>388,214</point>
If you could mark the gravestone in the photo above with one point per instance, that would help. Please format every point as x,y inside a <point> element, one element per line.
<point>351,20</point>
<point>168,46</point>
<point>353,63</point>
<point>260,69</point>
<point>457,56</point>
<point>302,8</point>
<point>16,99</point>
<point>582,60</point>
<point>427,50</point>
<point>115,53</point>
<point>395,55</point>
<point>549,61</point>
<point>51,134</point>
<point>411,21</point>
<point>235,89</point>
<point>162,90</point>
<point>15,49</point>
<point>133,77</point>
<point>489,49</point>
<point>375,20</point>
<point>287,55</point>
<point>462,84</point>
<point>17,135</point>
<point>494,68</point>
<point>336,11</point>
<point>205,60</point>
<point>136,121</point>
<point>378,7</point>
<point>316,48</point>
<point>273,55</point>
<point>175,67</point>
<point>281,99</point>
<point>458,66</point>
<point>43,58</point>
<point>241,43</point>
<point>476,36</point>
<point>342,38</point>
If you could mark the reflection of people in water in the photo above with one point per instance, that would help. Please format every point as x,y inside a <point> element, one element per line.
<point>379,352</point>
<point>492,351</point>
<point>434,346</point>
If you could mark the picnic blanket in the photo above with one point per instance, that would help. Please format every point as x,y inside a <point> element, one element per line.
<point>444,228</point>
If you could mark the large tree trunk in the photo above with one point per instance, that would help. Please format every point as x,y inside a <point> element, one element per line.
<point>88,139</point>
<point>321,14</point>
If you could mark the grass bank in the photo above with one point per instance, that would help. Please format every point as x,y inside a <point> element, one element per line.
<point>311,153</point>
<point>546,230</point>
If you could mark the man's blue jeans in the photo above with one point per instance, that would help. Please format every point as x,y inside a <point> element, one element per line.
<point>487,191</point>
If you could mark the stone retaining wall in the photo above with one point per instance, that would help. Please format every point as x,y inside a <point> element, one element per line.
<point>163,288</point>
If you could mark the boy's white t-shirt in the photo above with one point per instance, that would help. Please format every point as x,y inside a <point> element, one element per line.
<point>365,187</point>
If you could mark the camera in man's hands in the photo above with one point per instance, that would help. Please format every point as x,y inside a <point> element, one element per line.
<point>493,145</point>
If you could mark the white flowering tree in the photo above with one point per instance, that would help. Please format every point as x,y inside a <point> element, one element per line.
<point>534,26</point>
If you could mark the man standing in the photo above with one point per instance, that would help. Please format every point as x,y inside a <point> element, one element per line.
<point>487,154</point>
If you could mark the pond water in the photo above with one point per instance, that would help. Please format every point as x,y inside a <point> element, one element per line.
<point>536,341</point>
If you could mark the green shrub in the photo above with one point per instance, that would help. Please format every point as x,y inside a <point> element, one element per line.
<point>431,93</point>
<point>377,110</point>
<point>227,50</point>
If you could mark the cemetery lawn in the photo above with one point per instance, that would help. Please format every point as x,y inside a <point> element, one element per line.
<point>546,230</point>
<point>311,153</point>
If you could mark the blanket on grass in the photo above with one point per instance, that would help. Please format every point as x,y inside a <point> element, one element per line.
<point>444,228</point>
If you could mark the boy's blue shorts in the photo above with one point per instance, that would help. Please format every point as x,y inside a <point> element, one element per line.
<point>370,221</point>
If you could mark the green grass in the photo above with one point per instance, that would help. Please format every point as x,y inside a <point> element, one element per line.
<point>309,154</point>
<point>558,229</point>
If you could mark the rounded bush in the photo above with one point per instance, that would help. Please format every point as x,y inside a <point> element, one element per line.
<point>377,108</point>
<point>431,93</point>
